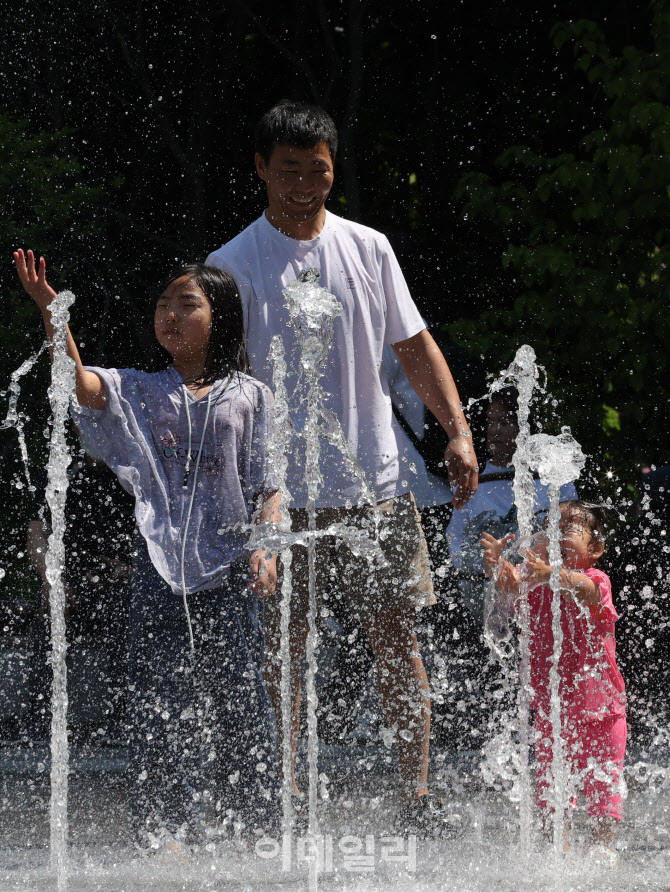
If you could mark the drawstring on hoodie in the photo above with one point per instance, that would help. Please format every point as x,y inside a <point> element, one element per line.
<point>187,396</point>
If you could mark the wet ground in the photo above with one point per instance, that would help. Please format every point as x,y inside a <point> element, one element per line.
<point>359,853</point>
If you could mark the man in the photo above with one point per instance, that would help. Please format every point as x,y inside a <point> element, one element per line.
<point>296,145</point>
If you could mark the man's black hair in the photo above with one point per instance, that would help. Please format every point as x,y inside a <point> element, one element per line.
<point>298,124</point>
<point>227,351</point>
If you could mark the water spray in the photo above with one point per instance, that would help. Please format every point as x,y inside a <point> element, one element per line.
<point>60,392</point>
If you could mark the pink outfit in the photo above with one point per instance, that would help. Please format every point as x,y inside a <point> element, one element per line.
<point>592,692</point>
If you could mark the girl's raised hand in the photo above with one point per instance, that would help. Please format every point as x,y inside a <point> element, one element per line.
<point>34,280</point>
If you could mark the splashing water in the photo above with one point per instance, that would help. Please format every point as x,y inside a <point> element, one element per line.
<point>278,450</point>
<point>476,863</point>
<point>522,373</point>
<point>14,418</point>
<point>312,311</point>
<point>60,392</point>
<point>558,460</point>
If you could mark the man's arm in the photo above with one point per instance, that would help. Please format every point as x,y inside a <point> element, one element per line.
<point>429,375</point>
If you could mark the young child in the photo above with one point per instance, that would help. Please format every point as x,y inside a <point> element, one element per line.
<point>591,688</point>
<point>189,442</point>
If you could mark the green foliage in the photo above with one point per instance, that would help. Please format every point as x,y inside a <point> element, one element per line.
<point>584,239</point>
<point>42,194</point>
<point>40,183</point>
<point>45,204</point>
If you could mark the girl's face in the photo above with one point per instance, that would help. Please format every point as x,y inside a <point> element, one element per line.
<point>579,549</point>
<point>183,320</point>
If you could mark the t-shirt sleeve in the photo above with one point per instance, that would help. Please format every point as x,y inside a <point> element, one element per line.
<point>263,473</point>
<point>604,611</point>
<point>403,319</point>
<point>109,434</point>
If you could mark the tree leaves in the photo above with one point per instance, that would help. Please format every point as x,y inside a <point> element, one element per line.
<point>588,252</point>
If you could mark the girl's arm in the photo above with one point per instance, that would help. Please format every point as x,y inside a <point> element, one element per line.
<point>263,566</point>
<point>90,389</point>
<point>575,586</point>
<point>508,581</point>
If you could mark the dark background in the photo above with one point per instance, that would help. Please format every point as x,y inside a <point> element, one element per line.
<point>128,145</point>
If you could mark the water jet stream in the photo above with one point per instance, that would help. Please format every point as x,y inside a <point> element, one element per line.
<point>14,418</point>
<point>60,392</point>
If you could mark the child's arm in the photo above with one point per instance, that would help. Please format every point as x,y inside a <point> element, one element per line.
<point>90,389</point>
<point>508,581</point>
<point>575,586</point>
<point>262,566</point>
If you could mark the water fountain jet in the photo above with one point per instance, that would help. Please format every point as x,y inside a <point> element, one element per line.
<point>60,393</point>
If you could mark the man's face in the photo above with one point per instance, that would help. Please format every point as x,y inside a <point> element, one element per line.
<point>298,180</point>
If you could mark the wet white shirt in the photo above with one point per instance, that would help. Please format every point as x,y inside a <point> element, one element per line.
<point>142,434</point>
<point>358,266</point>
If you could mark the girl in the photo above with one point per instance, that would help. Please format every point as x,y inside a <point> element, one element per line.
<point>189,443</point>
<point>592,694</point>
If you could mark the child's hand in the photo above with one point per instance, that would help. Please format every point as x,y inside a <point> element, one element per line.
<point>34,280</point>
<point>263,573</point>
<point>538,569</point>
<point>493,549</point>
<point>509,581</point>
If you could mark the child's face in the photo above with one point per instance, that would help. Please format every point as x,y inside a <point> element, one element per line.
<point>183,320</point>
<point>579,550</point>
<point>577,544</point>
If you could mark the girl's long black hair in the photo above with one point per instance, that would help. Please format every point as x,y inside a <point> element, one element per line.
<point>227,352</point>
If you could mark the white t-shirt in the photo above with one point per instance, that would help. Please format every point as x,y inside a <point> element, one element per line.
<point>428,489</point>
<point>497,497</point>
<point>358,266</point>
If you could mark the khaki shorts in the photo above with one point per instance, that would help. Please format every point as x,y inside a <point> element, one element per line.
<point>405,585</point>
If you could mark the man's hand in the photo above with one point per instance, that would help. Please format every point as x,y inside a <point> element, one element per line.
<point>34,280</point>
<point>462,468</point>
<point>263,573</point>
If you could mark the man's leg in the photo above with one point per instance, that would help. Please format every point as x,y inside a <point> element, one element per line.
<point>403,686</point>
<point>386,601</point>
